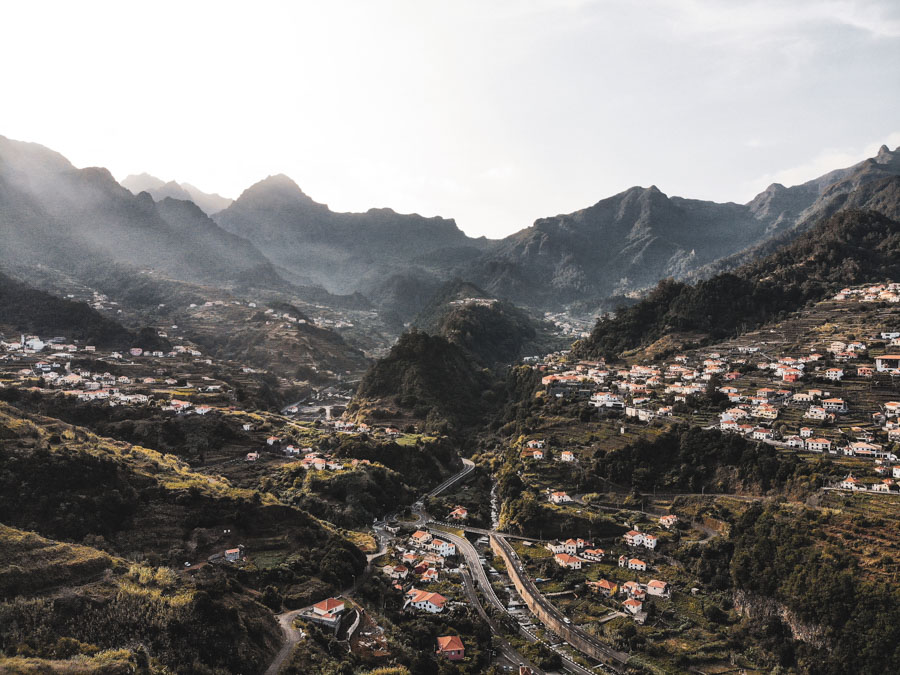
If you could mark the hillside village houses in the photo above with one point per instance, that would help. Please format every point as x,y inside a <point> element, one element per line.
<point>772,396</point>
<point>433,603</point>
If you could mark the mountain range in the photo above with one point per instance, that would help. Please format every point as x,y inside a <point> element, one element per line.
<point>209,203</point>
<point>80,223</point>
<point>626,243</point>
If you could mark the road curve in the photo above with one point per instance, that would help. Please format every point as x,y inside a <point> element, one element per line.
<point>291,637</point>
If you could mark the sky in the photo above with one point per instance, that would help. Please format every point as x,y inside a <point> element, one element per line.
<point>492,112</point>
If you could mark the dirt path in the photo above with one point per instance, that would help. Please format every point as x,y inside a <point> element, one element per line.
<point>291,637</point>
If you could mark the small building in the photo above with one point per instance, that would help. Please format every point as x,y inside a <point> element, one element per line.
<point>633,590</point>
<point>451,648</point>
<point>329,608</point>
<point>568,561</point>
<point>442,548</point>
<point>604,587</point>
<point>233,554</point>
<point>593,554</point>
<point>567,456</point>
<point>560,497</point>
<point>635,564</point>
<point>432,603</point>
<point>459,513</point>
<point>421,537</point>
<point>818,444</point>
<point>634,538</point>
<point>850,483</point>
<point>668,521</point>
<point>889,363</point>
<point>659,588</point>
<point>632,606</point>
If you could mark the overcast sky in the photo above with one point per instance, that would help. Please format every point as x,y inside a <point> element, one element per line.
<point>493,112</point>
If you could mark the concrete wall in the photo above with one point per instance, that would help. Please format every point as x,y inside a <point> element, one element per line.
<point>529,593</point>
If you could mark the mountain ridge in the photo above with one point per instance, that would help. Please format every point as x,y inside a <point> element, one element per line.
<point>209,202</point>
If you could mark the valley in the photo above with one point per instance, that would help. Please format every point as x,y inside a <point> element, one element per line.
<point>262,467</point>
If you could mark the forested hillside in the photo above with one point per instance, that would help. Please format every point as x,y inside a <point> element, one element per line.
<point>29,310</point>
<point>428,378</point>
<point>849,247</point>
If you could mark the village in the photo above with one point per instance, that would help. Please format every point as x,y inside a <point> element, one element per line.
<point>817,392</point>
<point>821,394</point>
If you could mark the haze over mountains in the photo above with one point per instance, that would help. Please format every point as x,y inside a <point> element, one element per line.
<point>80,222</point>
<point>209,203</point>
<point>628,242</point>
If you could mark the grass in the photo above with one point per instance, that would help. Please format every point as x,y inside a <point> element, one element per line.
<point>113,662</point>
<point>452,530</point>
<point>166,470</point>
<point>533,552</point>
<point>362,540</point>
<point>29,562</point>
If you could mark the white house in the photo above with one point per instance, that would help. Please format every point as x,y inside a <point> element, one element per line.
<point>634,538</point>
<point>560,497</point>
<point>593,554</point>
<point>850,483</point>
<point>429,602</point>
<point>889,363</point>
<point>442,548</point>
<point>568,561</point>
<point>818,444</point>
<point>668,520</point>
<point>656,587</point>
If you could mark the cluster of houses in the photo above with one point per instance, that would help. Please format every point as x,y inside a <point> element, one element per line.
<point>58,347</point>
<point>635,593</point>
<point>47,363</point>
<point>647,391</point>
<point>86,385</point>
<point>574,553</point>
<point>885,485</point>
<point>423,562</point>
<point>822,409</point>
<point>888,292</point>
<point>534,450</point>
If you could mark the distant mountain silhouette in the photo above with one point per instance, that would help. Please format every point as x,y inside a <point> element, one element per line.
<point>274,235</point>
<point>859,242</point>
<point>209,203</point>
<point>82,222</point>
<point>627,242</point>
<point>346,252</point>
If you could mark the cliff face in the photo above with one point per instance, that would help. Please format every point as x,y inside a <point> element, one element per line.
<point>754,606</point>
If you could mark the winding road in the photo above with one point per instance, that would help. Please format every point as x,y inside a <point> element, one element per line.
<point>292,636</point>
